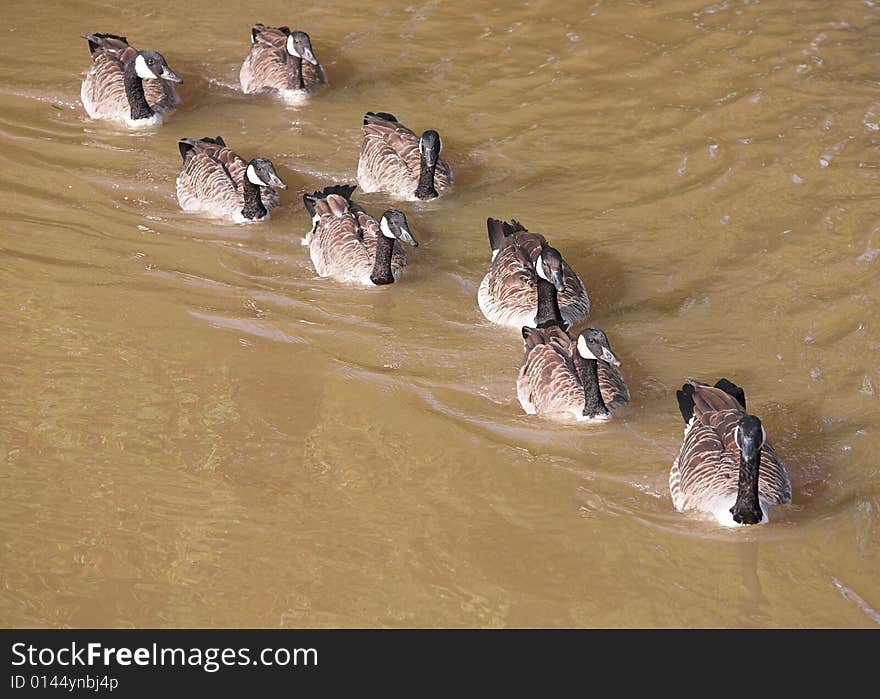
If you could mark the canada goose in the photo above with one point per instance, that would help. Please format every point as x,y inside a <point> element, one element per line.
<point>127,85</point>
<point>282,61</point>
<point>215,180</point>
<point>350,245</point>
<point>563,375</point>
<point>508,294</point>
<point>395,160</point>
<point>725,467</point>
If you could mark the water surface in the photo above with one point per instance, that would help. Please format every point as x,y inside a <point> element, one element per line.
<point>197,431</point>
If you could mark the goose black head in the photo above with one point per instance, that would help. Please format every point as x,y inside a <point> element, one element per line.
<point>394,225</point>
<point>592,343</point>
<point>548,266</point>
<point>261,172</point>
<point>749,436</point>
<point>429,147</point>
<point>151,65</point>
<point>299,45</point>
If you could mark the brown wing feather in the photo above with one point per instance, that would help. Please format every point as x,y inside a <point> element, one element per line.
<point>103,87</point>
<point>385,162</point>
<point>547,381</point>
<point>161,95</point>
<point>313,75</point>
<point>272,37</point>
<point>512,282</point>
<point>708,399</point>
<point>266,68</point>
<point>337,247</point>
<point>612,385</point>
<point>211,178</point>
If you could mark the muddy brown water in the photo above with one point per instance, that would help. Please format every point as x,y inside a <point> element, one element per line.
<point>197,431</point>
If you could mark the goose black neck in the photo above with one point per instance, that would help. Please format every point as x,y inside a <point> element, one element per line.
<point>298,64</point>
<point>588,373</point>
<point>253,203</point>
<point>548,305</point>
<point>134,91</point>
<point>381,273</point>
<point>426,190</point>
<point>747,509</point>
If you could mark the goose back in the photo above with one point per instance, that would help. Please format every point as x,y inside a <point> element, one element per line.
<point>704,475</point>
<point>390,160</point>
<point>548,381</point>
<point>342,242</point>
<point>269,67</point>
<point>103,88</point>
<point>508,294</point>
<point>211,180</point>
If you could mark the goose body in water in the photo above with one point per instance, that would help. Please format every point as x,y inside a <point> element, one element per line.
<point>563,375</point>
<point>216,181</point>
<point>508,294</point>
<point>726,467</point>
<point>348,244</point>
<point>281,61</point>
<point>397,161</point>
<point>126,85</point>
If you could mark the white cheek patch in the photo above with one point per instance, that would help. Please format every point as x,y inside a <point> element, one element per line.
<point>290,47</point>
<point>386,229</point>
<point>494,255</point>
<point>736,437</point>
<point>539,268</point>
<point>421,146</point>
<point>254,177</point>
<point>583,350</point>
<point>315,220</point>
<point>140,67</point>
<point>763,434</point>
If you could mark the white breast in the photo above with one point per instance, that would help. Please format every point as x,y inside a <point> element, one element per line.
<point>154,120</point>
<point>720,509</point>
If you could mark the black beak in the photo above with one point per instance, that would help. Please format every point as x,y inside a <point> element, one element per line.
<point>169,75</point>
<point>309,56</point>
<point>406,237</point>
<point>556,278</point>
<point>275,181</point>
<point>748,448</point>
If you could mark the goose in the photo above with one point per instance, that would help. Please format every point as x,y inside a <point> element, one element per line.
<point>217,181</point>
<point>348,244</point>
<point>394,160</point>
<point>726,466</point>
<point>564,375</point>
<point>126,85</point>
<point>281,61</point>
<point>508,294</point>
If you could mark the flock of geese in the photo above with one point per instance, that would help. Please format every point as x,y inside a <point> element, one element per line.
<point>725,467</point>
